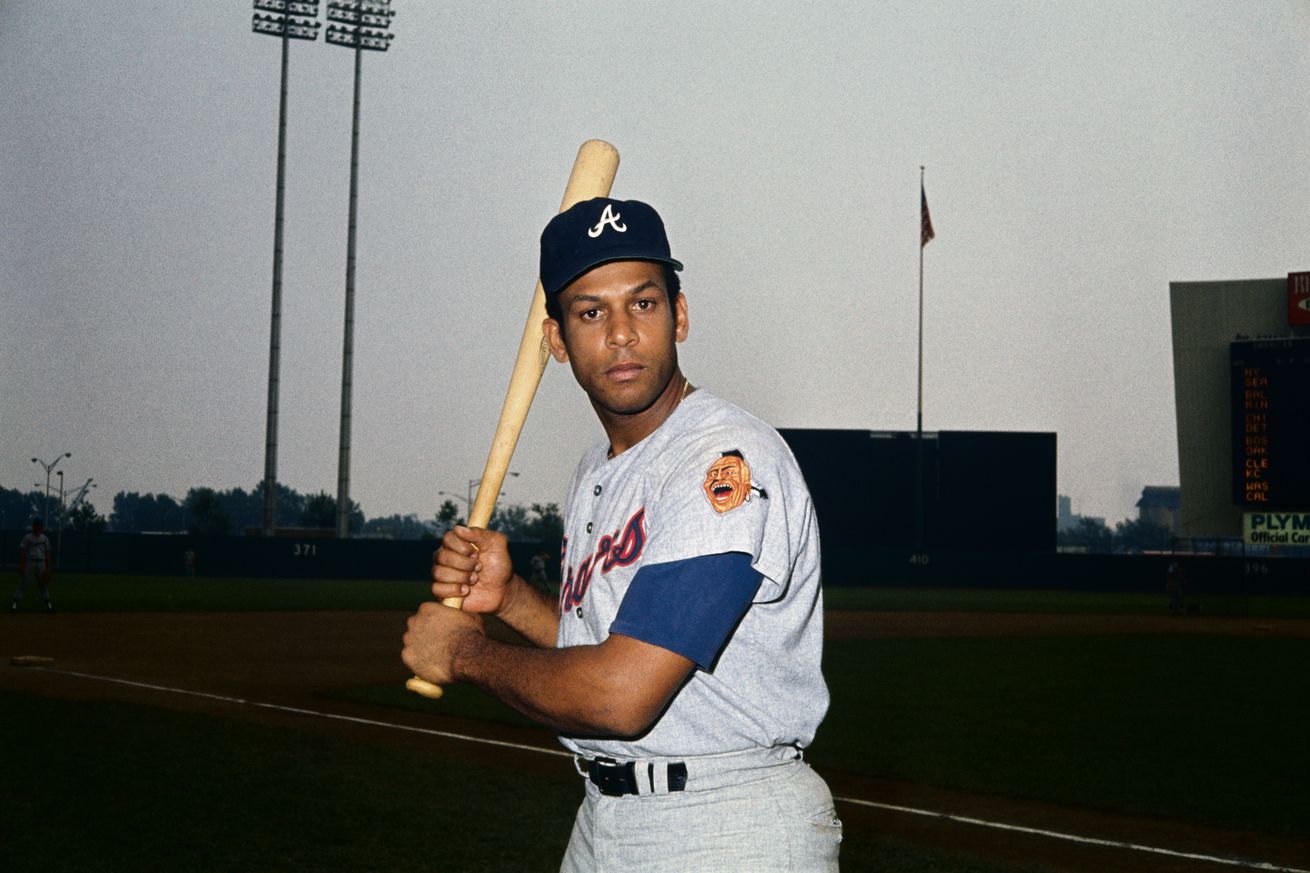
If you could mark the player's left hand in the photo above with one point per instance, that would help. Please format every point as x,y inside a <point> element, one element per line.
<point>433,641</point>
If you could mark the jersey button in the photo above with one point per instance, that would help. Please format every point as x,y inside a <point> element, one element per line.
<point>579,612</point>
<point>588,527</point>
<point>596,491</point>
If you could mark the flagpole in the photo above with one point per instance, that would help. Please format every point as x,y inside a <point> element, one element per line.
<point>918,419</point>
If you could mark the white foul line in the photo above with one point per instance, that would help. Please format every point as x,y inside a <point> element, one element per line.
<point>298,711</point>
<point>1055,835</point>
<point>1074,838</point>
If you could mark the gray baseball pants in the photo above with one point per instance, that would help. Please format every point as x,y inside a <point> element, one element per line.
<point>33,572</point>
<point>779,820</point>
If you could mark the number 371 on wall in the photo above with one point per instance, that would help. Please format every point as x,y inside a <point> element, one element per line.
<point>304,550</point>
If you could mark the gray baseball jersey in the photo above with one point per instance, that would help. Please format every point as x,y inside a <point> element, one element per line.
<point>712,479</point>
<point>35,548</point>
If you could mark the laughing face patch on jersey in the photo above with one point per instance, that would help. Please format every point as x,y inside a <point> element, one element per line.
<point>728,482</point>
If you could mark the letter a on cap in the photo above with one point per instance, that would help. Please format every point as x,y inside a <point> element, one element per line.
<point>607,217</point>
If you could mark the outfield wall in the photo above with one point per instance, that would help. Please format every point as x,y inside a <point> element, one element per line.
<point>1205,574</point>
<point>330,558</point>
<point>259,557</point>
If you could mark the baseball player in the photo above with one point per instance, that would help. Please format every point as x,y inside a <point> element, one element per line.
<point>680,663</point>
<point>34,564</point>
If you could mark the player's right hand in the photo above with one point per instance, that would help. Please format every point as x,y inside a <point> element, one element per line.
<point>474,564</point>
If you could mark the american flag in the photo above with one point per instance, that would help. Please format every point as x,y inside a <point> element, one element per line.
<point>925,220</point>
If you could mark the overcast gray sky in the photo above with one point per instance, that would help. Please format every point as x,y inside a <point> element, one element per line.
<point>1080,156</point>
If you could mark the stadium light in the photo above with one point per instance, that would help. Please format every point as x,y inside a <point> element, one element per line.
<point>288,20</point>
<point>292,19</point>
<point>360,25</point>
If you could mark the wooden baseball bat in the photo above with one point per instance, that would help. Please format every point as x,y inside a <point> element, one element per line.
<point>593,174</point>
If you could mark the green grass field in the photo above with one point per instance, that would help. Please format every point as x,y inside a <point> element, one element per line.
<point>86,592</point>
<point>118,787</point>
<point>1207,729</point>
<point>89,593</point>
<point>1057,602</point>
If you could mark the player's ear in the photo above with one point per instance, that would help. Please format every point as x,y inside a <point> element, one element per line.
<point>550,329</point>
<point>680,322</point>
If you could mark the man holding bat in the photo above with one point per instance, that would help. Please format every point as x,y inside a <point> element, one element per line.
<point>680,664</point>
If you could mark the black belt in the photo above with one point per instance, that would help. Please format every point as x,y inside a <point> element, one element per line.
<point>615,779</point>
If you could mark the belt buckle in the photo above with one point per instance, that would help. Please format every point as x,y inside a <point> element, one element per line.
<point>612,778</point>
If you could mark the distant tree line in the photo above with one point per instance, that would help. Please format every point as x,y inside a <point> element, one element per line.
<point>209,511</point>
<point>234,511</point>
<point>18,508</point>
<point>1129,535</point>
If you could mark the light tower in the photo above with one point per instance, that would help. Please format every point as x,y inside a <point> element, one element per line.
<point>360,25</point>
<point>288,20</point>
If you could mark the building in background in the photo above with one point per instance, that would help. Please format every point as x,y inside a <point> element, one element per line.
<point>1159,505</point>
<point>1066,519</point>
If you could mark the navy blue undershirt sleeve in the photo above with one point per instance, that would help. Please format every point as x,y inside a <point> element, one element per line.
<point>690,607</point>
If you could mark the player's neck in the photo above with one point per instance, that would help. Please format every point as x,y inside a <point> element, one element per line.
<point>625,431</point>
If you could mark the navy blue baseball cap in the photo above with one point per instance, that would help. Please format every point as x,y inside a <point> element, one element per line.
<point>599,231</point>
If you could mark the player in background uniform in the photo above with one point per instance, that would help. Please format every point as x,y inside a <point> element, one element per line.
<point>34,565</point>
<point>681,662</point>
<point>539,578</point>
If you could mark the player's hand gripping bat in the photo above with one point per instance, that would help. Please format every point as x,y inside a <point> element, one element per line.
<point>592,176</point>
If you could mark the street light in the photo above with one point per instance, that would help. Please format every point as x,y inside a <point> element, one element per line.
<point>477,481</point>
<point>360,25</point>
<point>287,19</point>
<point>48,467</point>
<point>457,497</point>
<point>468,499</point>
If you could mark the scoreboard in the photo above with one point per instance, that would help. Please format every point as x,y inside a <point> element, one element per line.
<point>1270,382</point>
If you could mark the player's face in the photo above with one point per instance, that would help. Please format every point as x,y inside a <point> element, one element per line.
<point>620,335</point>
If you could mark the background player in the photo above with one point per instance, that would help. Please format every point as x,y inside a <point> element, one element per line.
<point>34,564</point>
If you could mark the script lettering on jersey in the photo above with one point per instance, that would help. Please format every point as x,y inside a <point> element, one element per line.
<point>619,549</point>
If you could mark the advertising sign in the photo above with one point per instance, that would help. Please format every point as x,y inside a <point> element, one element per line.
<point>1276,528</point>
